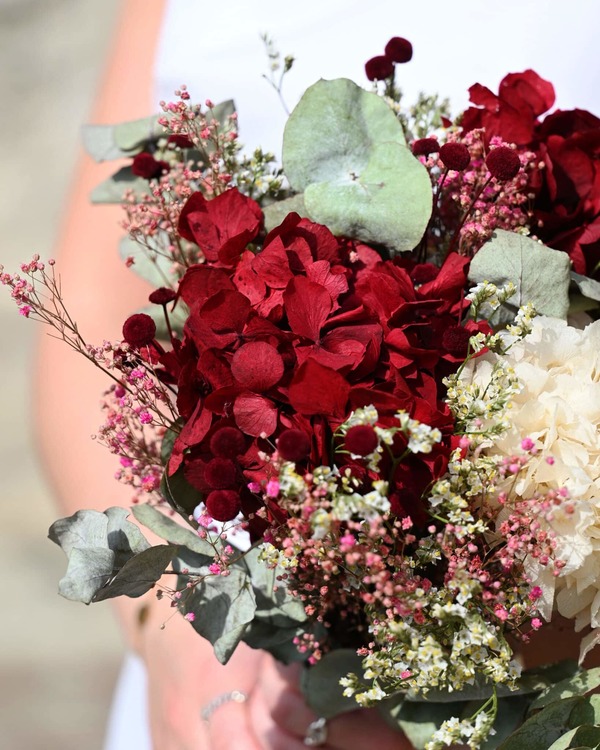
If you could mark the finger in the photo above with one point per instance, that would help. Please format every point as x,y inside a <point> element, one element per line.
<point>231,727</point>
<point>273,736</point>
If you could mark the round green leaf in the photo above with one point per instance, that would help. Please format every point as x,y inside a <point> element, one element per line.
<point>345,148</point>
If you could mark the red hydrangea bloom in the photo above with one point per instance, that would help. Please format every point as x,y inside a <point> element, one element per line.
<point>512,113</point>
<point>281,345</point>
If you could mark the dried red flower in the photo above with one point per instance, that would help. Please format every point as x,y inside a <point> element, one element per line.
<point>425,146</point>
<point>455,340</point>
<point>139,330</point>
<point>162,296</point>
<point>220,474</point>
<point>361,440</point>
<point>181,141</point>
<point>424,272</point>
<point>455,156</point>
<point>228,442</point>
<point>223,505</point>
<point>146,166</point>
<point>293,445</point>
<point>503,163</point>
<point>379,68</point>
<point>399,50</point>
<point>257,366</point>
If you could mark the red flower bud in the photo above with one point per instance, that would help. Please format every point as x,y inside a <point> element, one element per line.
<point>503,163</point>
<point>361,440</point>
<point>455,156</point>
<point>220,474</point>
<point>223,505</point>
<point>228,442</point>
<point>139,330</point>
<point>455,340</point>
<point>162,296</point>
<point>293,445</point>
<point>425,146</point>
<point>181,141</point>
<point>399,50</point>
<point>378,68</point>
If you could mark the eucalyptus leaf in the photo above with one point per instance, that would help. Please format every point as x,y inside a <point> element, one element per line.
<point>585,735</point>
<point>345,149</point>
<point>179,493</point>
<point>139,574</point>
<point>540,274</point>
<point>278,641</point>
<point>171,531</point>
<point>588,287</point>
<point>223,608</point>
<point>169,438</point>
<point>273,596</point>
<point>578,684</point>
<point>150,263</point>
<point>542,729</point>
<point>97,545</point>
<point>276,212</point>
<point>586,711</point>
<point>420,720</point>
<point>132,136</point>
<point>320,682</point>
<point>113,189</point>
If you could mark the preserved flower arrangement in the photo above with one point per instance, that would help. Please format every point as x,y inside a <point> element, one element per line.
<point>362,407</point>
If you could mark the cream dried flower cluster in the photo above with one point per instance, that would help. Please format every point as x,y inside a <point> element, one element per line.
<point>558,407</point>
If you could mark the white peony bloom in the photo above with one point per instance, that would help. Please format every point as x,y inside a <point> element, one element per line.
<point>558,407</point>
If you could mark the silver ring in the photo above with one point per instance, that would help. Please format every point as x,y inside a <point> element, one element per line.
<point>235,696</point>
<point>316,733</point>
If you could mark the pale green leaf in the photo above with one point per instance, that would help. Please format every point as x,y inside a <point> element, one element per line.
<point>320,683</point>
<point>276,212</point>
<point>540,274</point>
<point>345,149</point>
<point>579,684</point>
<point>152,263</point>
<point>139,574</point>
<point>223,607</point>
<point>586,711</point>
<point>113,189</point>
<point>88,570</point>
<point>171,531</point>
<point>542,729</point>
<point>420,720</point>
<point>589,288</point>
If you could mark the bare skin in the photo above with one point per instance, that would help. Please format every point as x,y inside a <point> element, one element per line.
<point>101,293</point>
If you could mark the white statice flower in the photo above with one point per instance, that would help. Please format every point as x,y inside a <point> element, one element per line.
<point>558,408</point>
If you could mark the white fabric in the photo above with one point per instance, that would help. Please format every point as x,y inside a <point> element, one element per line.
<point>215,49</point>
<point>128,727</point>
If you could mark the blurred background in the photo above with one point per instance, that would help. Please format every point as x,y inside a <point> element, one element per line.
<point>58,659</point>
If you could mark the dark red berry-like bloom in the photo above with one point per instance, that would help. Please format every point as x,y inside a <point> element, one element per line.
<point>425,146</point>
<point>162,296</point>
<point>146,166</point>
<point>228,442</point>
<point>139,330</point>
<point>424,272</point>
<point>181,141</point>
<point>378,68</point>
<point>455,340</point>
<point>361,440</point>
<point>455,156</point>
<point>223,505</point>
<point>220,474</point>
<point>399,50</point>
<point>293,445</point>
<point>503,163</point>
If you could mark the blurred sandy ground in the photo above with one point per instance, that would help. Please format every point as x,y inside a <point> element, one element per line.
<point>58,659</point>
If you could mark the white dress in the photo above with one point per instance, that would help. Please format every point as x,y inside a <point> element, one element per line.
<point>215,48</point>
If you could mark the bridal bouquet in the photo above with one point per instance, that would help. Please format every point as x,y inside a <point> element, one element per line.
<point>362,407</point>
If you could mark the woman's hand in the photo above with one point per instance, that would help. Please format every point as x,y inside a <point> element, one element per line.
<point>280,717</point>
<point>184,677</point>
